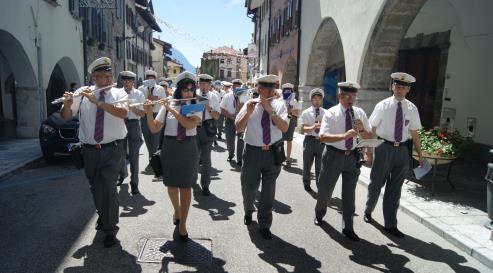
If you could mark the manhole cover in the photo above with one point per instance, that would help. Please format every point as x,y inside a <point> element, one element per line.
<point>193,252</point>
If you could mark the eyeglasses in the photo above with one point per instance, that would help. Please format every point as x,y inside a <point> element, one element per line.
<point>186,90</point>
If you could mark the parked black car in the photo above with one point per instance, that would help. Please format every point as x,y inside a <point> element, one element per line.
<point>55,135</point>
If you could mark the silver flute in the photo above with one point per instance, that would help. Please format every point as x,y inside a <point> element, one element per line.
<point>63,99</point>
<point>154,102</point>
<point>359,151</point>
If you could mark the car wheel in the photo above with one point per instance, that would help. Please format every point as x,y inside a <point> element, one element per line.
<point>48,155</point>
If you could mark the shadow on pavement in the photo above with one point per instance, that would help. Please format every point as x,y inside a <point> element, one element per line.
<point>368,254</point>
<point>218,208</point>
<point>100,259</point>
<point>428,251</point>
<point>277,206</point>
<point>132,205</point>
<point>277,252</point>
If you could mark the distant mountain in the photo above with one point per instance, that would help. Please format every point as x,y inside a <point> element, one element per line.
<point>176,54</point>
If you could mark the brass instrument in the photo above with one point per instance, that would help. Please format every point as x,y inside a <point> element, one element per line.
<point>63,99</point>
<point>360,159</point>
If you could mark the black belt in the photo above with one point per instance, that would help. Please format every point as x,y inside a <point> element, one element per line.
<point>263,148</point>
<point>101,146</point>
<point>343,152</point>
<point>174,137</point>
<point>310,136</point>
<point>394,143</point>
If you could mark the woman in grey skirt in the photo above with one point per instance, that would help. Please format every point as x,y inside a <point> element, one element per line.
<point>179,154</point>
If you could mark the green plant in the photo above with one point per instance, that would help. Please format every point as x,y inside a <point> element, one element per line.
<point>440,142</point>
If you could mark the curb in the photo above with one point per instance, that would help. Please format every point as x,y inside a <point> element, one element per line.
<point>18,167</point>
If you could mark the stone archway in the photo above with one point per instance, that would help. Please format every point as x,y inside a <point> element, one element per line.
<point>24,87</point>
<point>383,48</point>
<point>62,75</point>
<point>327,53</point>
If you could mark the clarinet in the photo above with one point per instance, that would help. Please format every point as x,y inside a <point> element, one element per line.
<point>317,114</point>
<point>360,159</point>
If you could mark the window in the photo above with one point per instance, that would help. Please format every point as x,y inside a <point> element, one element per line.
<point>238,60</point>
<point>221,74</point>
<point>228,61</point>
<point>119,9</point>
<point>73,7</point>
<point>229,73</point>
<point>221,60</point>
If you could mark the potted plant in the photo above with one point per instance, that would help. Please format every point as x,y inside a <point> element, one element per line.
<point>443,144</point>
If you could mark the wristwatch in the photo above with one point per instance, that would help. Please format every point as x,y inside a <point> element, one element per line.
<point>273,114</point>
<point>99,103</point>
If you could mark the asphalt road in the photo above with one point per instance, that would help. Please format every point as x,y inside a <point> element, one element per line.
<point>47,225</point>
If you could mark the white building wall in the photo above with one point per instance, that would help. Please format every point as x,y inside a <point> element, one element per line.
<point>55,40</point>
<point>469,61</point>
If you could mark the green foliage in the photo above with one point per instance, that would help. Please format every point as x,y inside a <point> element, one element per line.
<point>440,142</point>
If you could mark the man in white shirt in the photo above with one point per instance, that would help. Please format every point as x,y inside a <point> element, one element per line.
<point>152,91</point>
<point>311,119</point>
<point>207,131</point>
<point>340,128</point>
<point>394,120</point>
<point>133,141</point>
<point>101,109</point>
<point>230,105</point>
<point>263,120</point>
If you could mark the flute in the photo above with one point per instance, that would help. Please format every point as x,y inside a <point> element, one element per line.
<point>257,100</point>
<point>62,99</point>
<point>154,102</point>
<point>359,151</point>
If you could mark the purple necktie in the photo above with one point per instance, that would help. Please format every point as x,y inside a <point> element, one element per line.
<point>265,128</point>
<point>349,126</point>
<point>182,132</point>
<point>317,113</point>
<point>99,126</point>
<point>398,123</point>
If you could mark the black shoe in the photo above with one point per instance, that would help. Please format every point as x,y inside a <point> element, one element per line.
<point>266,234</point>
<point>247,220</point>
<point>317,221</point>
<point>120,181</point>
<point>308,188</point>
<point>135,189</point>
<point>109,240</point>
<point>206,191</point>
<point>394,231</point>
<point>215,142</point>
<point>175,221</point>
<point>183,238</point>
<point>200,162</point>
<point>239,163</point>
<point>367,218</point>
<point>288,163</point>
<point>219,137</point>
<point>230,158</point>
<point>99,225</point>
<point>350,234</point>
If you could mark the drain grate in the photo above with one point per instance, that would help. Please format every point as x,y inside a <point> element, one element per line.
<point>163,250</point>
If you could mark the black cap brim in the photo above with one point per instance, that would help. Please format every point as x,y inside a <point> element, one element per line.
<point>402,83</point>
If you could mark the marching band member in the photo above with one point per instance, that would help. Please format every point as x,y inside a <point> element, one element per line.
<point>151,91</point>
<point>312,147</point>
<point>293,112</point>
<point>392,120</point>
<point>263,120</point>
<point>207,130</point>
<point>133,140</point>
<point>340,127</point>
<point>230,106</point>
<point>101,131</point>
<point>179,157</point>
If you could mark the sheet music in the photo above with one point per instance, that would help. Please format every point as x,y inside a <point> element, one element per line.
<point>421,171</point>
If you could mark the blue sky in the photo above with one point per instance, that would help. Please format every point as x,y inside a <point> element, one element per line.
<point>194,26</point>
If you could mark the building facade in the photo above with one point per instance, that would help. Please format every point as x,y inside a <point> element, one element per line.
<point>174,68</point>
<point>160,56</point>
<point>443,43</point>
<point>39,58</point>
<point>232,63</point>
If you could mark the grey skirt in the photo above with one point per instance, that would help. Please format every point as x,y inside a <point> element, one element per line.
<point>180,162</point>
<point>288,136</point>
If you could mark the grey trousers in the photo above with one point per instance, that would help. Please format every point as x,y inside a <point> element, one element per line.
<point>101,168</point>
<point>312,151</point>
<point>131,144</point>
<point>389,167</point>
<point>220,125</point>
<point>333,165</point>
<point>231,138</point>
<point>259,164</point>
<point>151,140</point>
<point>204,143</point>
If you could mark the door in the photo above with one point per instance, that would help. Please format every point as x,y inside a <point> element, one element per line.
<point>423,64</point>
<point>331,78</point>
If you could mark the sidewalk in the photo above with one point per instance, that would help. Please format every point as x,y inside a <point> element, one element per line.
<point>452,214</point>
<point>17,153</point>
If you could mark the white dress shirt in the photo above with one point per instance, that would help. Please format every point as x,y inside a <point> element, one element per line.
<point>171,124</point>
<point>334,123</point>
<point>254,133</point>
<point>383,118</point>
<point>138,97</point>
<point>308,118</point>
<point>114,127</point>
<point>213,102</point>
<point>228,103</point>
<point>157,91</point>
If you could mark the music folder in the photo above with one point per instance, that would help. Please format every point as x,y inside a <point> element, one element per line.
<point>372,142</point>
<point>190,109</point>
